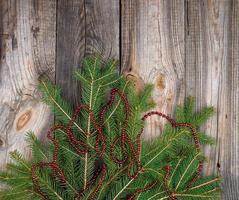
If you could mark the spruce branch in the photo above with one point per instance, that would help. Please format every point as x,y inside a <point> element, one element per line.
<point>97,152</point>
<point>51,96</point>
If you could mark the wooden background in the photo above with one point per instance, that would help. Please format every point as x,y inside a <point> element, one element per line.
<point>184,47</point>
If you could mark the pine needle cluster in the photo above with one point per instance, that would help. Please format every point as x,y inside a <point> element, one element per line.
<point>168,163</point>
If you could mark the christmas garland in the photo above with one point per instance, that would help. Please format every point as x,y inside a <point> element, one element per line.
<point>108,158</point>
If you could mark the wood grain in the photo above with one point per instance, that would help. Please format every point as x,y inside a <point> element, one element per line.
<point>27,35</point>
<point>211,74</point>
<point>183,47</point>
<point>153,51</point>
<point>102,27</point>
<point>230,151</point>
<point>70,47</point>
<point>93,28</point>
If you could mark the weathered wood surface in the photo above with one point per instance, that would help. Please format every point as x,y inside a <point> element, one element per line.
<point>184,47</point>
<point>153,51</point>
<point>212,77</point>
<point>27,41</point>
<point>83,27</point>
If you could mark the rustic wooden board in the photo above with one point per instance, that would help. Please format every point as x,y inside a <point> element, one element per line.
<point>212,77</point>
<point>27,35</point>
<point>70,47</point>
<point>102,27</point>
<point>83,27</point>
<point>189,48</point>
<point>230,156</point>
<point>153,51</point>
<point>183,47</point>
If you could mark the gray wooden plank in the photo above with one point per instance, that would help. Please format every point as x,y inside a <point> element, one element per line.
<point>27,35</point>
<point>70,47</point>
<point>153,52</point>
<point>212,77</point>
<point>230,151</point>
<point>102,27</point>
<point>83,27</point>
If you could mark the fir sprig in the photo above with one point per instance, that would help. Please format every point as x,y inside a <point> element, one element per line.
<point>160,169</point>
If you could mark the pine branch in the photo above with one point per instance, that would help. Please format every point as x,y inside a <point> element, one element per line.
<point>71,164</point>
<point>51,96</point>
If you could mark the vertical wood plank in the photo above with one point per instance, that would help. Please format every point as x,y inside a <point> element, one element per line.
<point>84,27</point>
<point>211,76</point>
<point>27,39</point>
<point>70,46</point>
<point>153,51</point>
<point>230,155</point>
<point>102,27</point>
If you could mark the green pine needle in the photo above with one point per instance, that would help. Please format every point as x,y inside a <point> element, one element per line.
<point>173,148</point>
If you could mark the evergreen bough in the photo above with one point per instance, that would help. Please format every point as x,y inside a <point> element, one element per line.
<point>162,168</point>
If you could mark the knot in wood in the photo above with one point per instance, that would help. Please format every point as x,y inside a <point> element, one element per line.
<point>23,120</point>
<point>160,82</point>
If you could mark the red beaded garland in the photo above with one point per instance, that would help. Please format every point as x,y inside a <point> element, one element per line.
<point>92,181</point>
<point>100,183</point>
<point>170,194</point>
<point>123,140</point>
<point>138,191</point>
<point>113,93</point>
<point>194,135</point>
<point>76,143</point>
